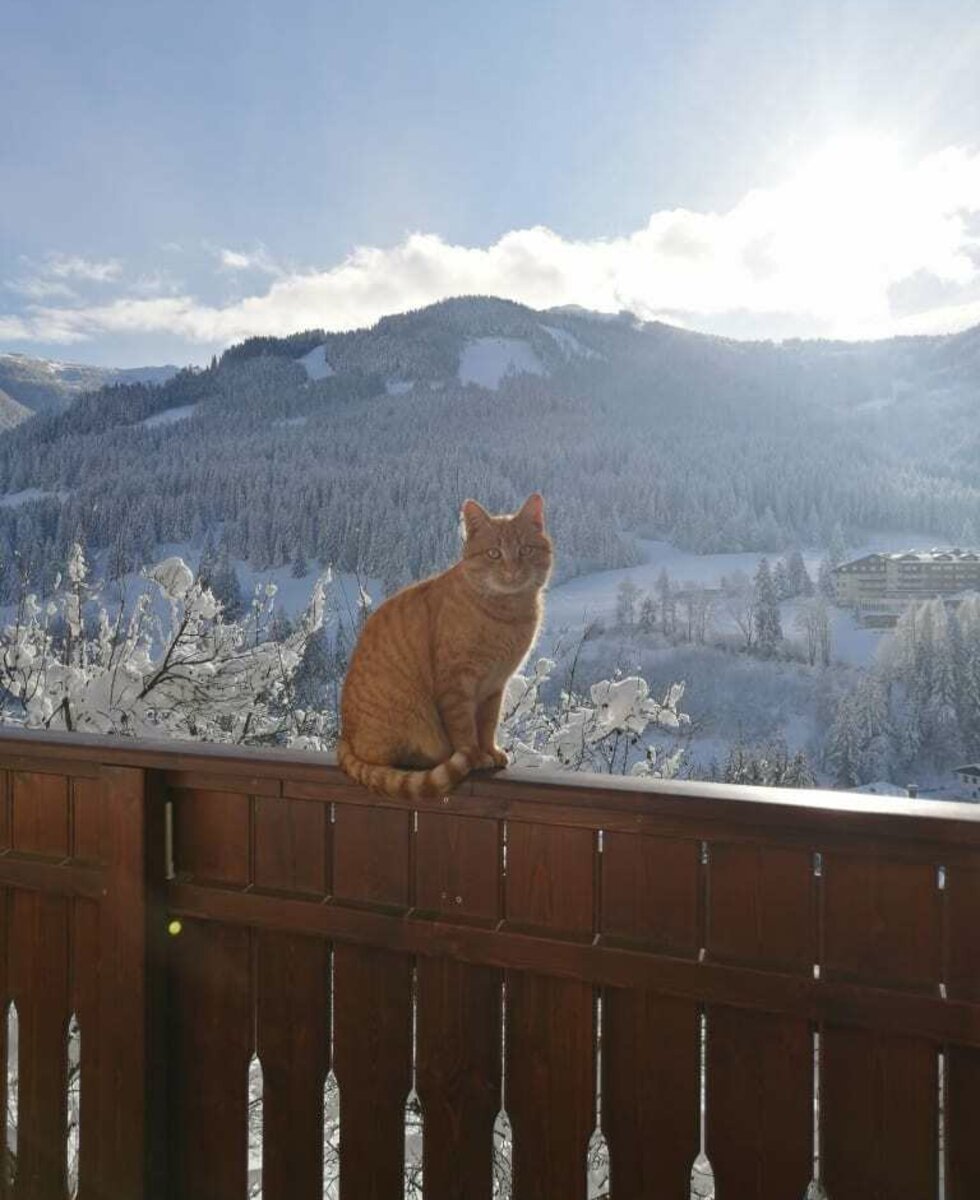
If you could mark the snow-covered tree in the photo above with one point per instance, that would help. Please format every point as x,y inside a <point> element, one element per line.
<point>768,627</point>
<point>167,664</point>
<point>601,731</point>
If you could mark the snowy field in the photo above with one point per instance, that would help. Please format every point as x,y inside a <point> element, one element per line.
<point>573,604</point>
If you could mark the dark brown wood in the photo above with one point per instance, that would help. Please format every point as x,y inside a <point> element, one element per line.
<point>291,847</point>
<point>130,839</point>
<point>371,856</point>
<point>759,1104</point>
<point>212,836</point>
<point>211,1040</point>
<point>457,867</point>
<point>913,827</point>
<point>878,1116</point>
<point>761,908</point>
<point>458,1076</point>
<point>766,991</point>
<point>651,893</point>
<point>293,998</point>
<point>651,898</point>
<point>40,813</point>
<point>550,1084</point>
<point>650,1092</point>
<point>256,848</point>
<point>85,997</point>
<point>882,923</point>
<point>549,883</point>
<point>373,1066</point>
<point>962,1115</point>
<point>962,973</point>
<point>55,878</point>
<point>87,817</point>
<point>39,984</point>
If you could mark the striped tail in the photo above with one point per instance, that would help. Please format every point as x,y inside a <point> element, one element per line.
<point>409,785</point>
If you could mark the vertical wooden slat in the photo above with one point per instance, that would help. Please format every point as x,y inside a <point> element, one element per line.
<point>878,1116</point>
<point>291,844</point>
<point>760,913</point>
<point>458,1030</point>
<point>650,1057</point>
<point>211,1047</point>
<point>40,813</point>
<point>39,980</point>
<point>132,842</point>
<point>963,1062</point>
<point>882,925</point>
<point>372,1006</point>
<point>373,1065</point>
<point>85,1004</point>
<point>6,1152</point>
<point>458,1076</point>
<point>550,1082</point>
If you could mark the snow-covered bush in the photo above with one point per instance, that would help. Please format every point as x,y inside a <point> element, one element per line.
<point>598,732</point>
<point>167,663</point>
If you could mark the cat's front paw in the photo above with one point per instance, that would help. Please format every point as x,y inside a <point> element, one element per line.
<point>483,761</point>
<point>500,757</point>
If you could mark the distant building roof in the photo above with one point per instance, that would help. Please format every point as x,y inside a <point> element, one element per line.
<point>968,769</point>
<point>881,787</point>
<point>920,556</point>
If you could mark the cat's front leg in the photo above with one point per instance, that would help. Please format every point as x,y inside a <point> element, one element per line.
<point>458,710</point>
<point>487,719</point>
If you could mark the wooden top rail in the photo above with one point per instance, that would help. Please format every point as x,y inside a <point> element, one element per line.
<point>549,797</point>
<point>679,918</point>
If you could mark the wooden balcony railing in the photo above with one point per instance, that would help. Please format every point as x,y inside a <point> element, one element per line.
<point>556,946</point>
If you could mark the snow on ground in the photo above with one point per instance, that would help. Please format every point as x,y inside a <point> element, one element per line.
<point>169,416</point>
<point>16,499</point>
<point>288,422</point>
<point>486,361</point>
<point>398,387</point>
<point>573,604</point>
<point>316,363</point>
<point>569,343</point>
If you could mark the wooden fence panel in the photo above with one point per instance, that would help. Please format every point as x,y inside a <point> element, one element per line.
<point>40,987</point>
<point>550,1068</point>
<point>760,914</point>
<point>372,1005</point>
<point>457,878</point>
<point>651,898</point>
<point>882,924</point>
<point>963,1062</point>
<point>210,1052</point>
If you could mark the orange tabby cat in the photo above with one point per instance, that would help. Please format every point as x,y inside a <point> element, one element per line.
<point>422,695</point>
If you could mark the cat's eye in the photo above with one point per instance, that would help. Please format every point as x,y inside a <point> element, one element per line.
<point>526,550</point>
<point>493,552</point>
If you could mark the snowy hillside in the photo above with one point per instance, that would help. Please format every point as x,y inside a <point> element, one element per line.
<point>487,361</point>
<point>45,385</point>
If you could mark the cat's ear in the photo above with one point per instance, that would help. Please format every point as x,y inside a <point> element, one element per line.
<point>474,515</point>
<point>533,511</point>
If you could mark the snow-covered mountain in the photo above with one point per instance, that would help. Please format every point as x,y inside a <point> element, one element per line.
<point>356,448</point>
<point>45,385</point>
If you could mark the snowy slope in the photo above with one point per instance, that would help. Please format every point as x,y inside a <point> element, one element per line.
<point>569,344</point>
<point>316,364</point>
<point>169,416</point>
<point>486,361</point>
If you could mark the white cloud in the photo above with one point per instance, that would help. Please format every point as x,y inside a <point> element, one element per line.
<point>248,260</point>
<point>72,266</point>
<point>824,249</point>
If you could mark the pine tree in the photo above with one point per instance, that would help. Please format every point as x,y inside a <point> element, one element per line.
<point>768,627</point>
<point>781,581</point>
<point>626,600</point>
<point>800,583</point>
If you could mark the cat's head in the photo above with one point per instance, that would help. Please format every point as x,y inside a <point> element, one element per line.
<point>506,554</point>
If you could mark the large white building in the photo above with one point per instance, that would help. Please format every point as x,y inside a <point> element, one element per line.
<point>881,584</point>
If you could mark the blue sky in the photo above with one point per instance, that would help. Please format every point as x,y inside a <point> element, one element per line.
<point>175,176</point>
